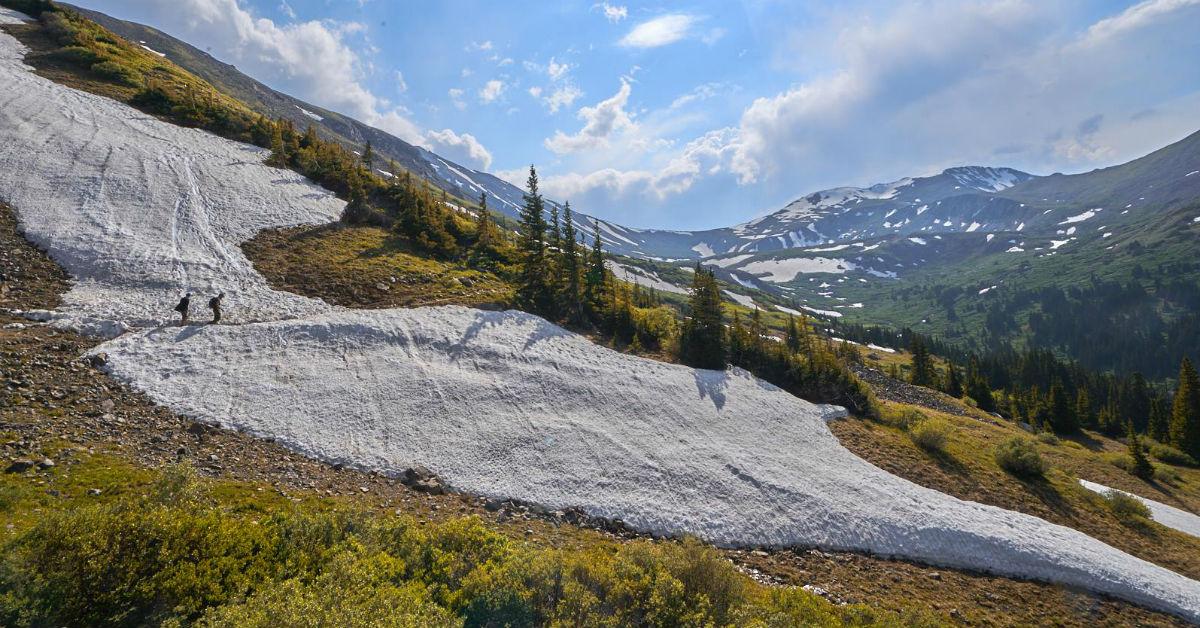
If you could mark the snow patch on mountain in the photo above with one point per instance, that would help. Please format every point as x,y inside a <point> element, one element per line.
<point>785,270</point>
<point>1169,516</point>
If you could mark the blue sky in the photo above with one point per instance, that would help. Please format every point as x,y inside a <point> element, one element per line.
<point>706,114</point>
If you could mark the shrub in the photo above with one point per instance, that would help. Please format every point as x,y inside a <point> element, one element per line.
<point>1128,509</point>
<point>1020,457</point>
<point>1171,455</point>
<point>59,28</point>
<point>117,72</point>
<point>1166,475</point>
<point>930,434</point>
<point>79,55</point>
<point>1048,438</point>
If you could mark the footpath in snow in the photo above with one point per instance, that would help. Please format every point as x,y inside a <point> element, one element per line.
<point>500,404</point>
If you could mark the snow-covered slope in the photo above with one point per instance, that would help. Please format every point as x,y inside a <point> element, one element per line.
<point>501,404</point>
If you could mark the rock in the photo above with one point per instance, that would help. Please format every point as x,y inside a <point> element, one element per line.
<point>45,463</point>
<point>422,479</point>
<point>19,466</point>
<point>94,492</point>
<point>108,405</point>
<point>934,575</point>
<point>98,359</point>
<point>382,286</point>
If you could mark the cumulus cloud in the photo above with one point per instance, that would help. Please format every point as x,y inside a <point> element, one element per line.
<point>600,123</point>
<point>561,97</point>
<point>462,148</point>
<point>456,98</point>
<point>491,91</point>
<point>660,31</point>
<point>954,82</point>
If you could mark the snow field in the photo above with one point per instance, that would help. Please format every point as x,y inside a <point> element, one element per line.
<point>499,404</point>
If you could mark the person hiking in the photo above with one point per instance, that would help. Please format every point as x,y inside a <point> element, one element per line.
<point>214,304</point>
<point>183,306</point>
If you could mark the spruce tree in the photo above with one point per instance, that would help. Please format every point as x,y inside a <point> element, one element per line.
<point>594,279</point>
<point>954,386</point>
<point>1160,421</point>
<point>978,388</point>
<point>368,156</point>
<point>1141,464</point>
<point>702,340</point>
<point>278,156</point>
<point>533,285</point>
<point>923,373</point>
<point>570,268</point>
<point>1083,408</point>
<point>483,226</point>
<point>1061,410</point>
<point>793,335</point>
<point>1185,411</point>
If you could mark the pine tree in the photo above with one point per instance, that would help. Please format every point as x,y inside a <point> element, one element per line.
<point>922,364</point>
<point>484,226</point>
<point>554,240</point>
<point>702,341</point>
<point>954,386</point>
<point>793,335</point>
<point>1141,464</point>
<point>978,388</point>
<point>368,156</point>
<point>1061,411</point>
<point>1185,411</point>
<point>570,268</point>
<point>1160,421</point>
<point>1083,408</point>
<point>593,286</point>
<point>278,156</point>
<point>533,285</point>
<point>356,211</point>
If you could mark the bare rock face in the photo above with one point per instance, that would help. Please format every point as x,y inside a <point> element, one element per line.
<point>422,479</point>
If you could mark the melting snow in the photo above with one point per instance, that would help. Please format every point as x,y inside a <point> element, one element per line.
<point>784,270</point>
<point>1169,516</point>
<point>1081,217</point>
<point>499,404</point>
<point>740,298</point>
<point>920,241</point>
<point>313,116</point>
<point>153,51</point>
<point>704,249</point>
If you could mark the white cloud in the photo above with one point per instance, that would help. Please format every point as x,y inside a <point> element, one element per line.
<point>600,122</point>
<point>401,85</point>
<point>462,148</point>
<point>287,10</point>
<point>477,46</point>
<point>456,97</point>
<point>614,13</point>
<point>491,90</point>
<point>1137,16</point>
<point>535,91</point>
<point>659,31</point>
<point>561,97</point>
<point>557,70</point>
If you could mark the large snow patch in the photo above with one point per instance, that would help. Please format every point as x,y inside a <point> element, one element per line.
<point>499,404</point>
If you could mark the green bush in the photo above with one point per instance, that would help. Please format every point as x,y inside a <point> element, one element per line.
<point>930,434</point>
<point>174,557</point>
<point>1048,438</point>
<point>1019,456</point>
<point>1127,509</point>
<point>1166,475</point>
<point>1171,455</point>
<point>85,57</point>
<point>117,72</point>
<point>59,28</point>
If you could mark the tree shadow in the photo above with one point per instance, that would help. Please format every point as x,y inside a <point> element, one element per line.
<point>1082,438</point>
<point>712,385</point>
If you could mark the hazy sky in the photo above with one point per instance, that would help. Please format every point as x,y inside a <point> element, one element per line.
<point>708,113</point>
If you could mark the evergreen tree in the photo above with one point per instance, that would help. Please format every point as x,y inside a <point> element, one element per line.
<point>278,156</point>
<point>1185,411</point>
<point>923,373</point>
<point>483,225</point>
<point>1061,411</point>
<point>533,285</point>
<point>1160,421</point>
<point>978,388</point>
<point>356,211</point>
<point>792,339</point>
<point>1141,464</point>
<point>368,157</point>
<point>593,285</point>
<point>1083,408</point>
<point>554,240</point>
<point>702,340</point>
<point>954,386</point>
<point>570,267</point>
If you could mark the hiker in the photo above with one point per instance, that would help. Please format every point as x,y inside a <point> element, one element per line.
<point>183,306</point>
<point>214,304</point>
